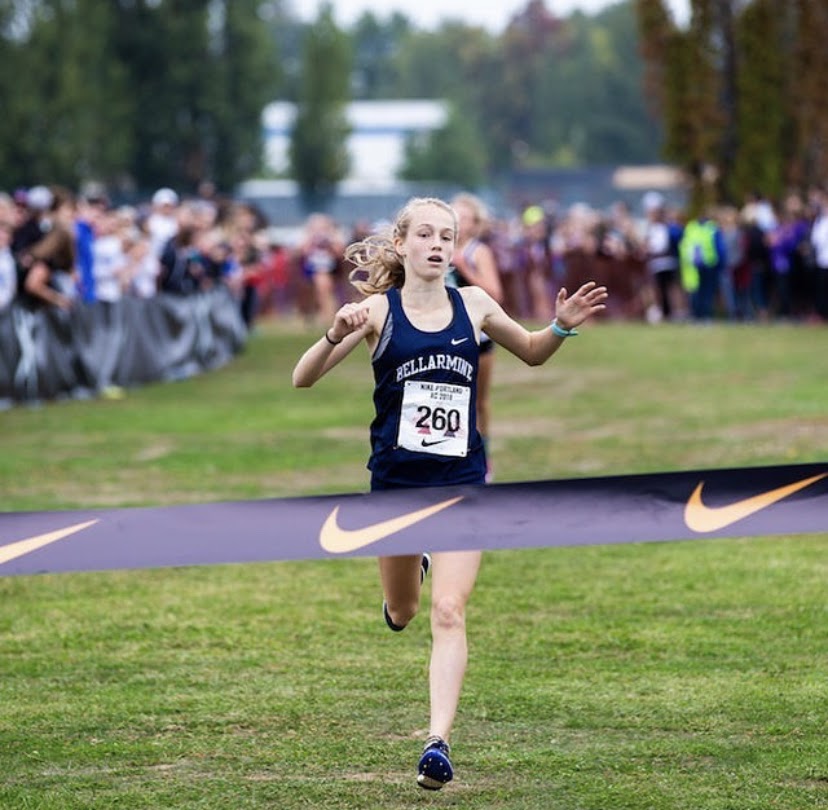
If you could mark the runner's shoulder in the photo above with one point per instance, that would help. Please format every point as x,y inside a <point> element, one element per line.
<point>477,300</point>
<point>377,304</point>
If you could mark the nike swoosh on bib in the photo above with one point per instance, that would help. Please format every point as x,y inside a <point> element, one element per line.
<point>336,540</point>
<point>701,518</point>
<point>14,550</point>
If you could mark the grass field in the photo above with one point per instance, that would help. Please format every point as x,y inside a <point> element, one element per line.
<point>680,676</point>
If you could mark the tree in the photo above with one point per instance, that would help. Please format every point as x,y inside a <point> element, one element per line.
<point>743,90</point>
<point>65,100</point>
<point>729,100</point>
<point>248,78</point>
<point>809,143</point>
<point>375,44</point>
<point>691,97</point>
<point>512,114</point>
<point>589,105</point>
<point>286,33</point>
<point>453,154</point>
<point>200,73</point>
<point>430,64</point>
<point>166,48</point>
<point>761,150</point>
<point>141,93</point>
<point>318,140</point>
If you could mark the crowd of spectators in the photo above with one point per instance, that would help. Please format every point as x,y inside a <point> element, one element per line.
<point>759,261</point>
<point>756,262</point>
<point>57,248</point>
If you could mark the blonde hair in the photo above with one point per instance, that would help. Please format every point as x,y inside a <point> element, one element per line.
<point>377,265</point>
<point>478,208</point>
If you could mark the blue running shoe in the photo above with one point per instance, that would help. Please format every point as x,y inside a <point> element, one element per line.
<point>435,766</point>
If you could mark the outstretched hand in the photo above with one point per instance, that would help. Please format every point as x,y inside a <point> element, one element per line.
<point>573,310</point>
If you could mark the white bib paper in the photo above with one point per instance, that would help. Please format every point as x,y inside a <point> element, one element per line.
<point>435,418</point>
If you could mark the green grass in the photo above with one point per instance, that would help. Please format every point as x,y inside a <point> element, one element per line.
<point>642,677</point>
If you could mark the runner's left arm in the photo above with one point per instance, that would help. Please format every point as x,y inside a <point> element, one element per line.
<point>534,347</point>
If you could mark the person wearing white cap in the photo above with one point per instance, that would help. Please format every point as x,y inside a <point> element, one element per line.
<point>165,196</point>
<point>46,265</point>
<point>39,198</point>
<point>162,223</point>
<point>33,227</point>
<point>661,256</point>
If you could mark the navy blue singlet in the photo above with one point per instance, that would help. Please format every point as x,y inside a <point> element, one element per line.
<point>425,396</point>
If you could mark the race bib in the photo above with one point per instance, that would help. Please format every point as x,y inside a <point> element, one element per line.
<point>435,418</point>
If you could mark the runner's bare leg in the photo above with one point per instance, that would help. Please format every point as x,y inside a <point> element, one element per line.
<point>400,577</point>
<point>453,577</point>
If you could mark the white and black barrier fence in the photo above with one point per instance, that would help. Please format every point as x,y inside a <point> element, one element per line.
<point>49,354</point>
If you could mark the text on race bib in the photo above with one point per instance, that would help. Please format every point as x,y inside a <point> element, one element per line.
<point>435,418</point>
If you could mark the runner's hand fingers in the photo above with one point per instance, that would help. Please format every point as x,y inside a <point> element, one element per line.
<point>352,316</point>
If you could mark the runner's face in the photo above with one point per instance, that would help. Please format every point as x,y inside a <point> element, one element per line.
<point>429,243</point>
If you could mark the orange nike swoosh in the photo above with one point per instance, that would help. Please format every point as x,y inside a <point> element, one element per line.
<point>14,550</point>
<point>336,540</point>
<point>701,518</point>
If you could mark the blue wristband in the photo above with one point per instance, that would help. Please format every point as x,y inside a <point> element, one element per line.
<point>560,331</point>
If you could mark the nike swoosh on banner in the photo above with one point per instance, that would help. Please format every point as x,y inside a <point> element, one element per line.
<point>17,549</point>
<point>336,540</point>
<point>701,518</point>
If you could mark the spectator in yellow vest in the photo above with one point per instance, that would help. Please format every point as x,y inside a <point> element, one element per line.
<point>702,255</point>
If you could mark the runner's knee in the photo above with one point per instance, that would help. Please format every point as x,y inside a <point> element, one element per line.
<point>448,613</point>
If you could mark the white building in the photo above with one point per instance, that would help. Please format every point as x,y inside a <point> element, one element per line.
<point>376,146</point>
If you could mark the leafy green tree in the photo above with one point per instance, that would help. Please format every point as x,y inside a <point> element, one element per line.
<point>762,152</point>
<point>690,99</point>
<point>18,101</point>
<point>432,64</point>
<point>742,93</point>
<point>545,92</point>
<point>91,112</point>
<point>286,34</point>
<point>590,108</point>
<point>457,63</point>
<point>201,71</point>
<point>517,101</point>
<point>138,93</point>
<point>318,141</point>
<point>453,154</point>
<point>166,48</point>
<point>375,44</point>
<point>729,97</point>
<point>65,99</point>
<point>808,91</point>
<point>248,77</point>
<point>703,116</point>
<point>657,34</point>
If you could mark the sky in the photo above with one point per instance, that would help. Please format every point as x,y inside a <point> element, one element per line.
<point>427,14</point>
